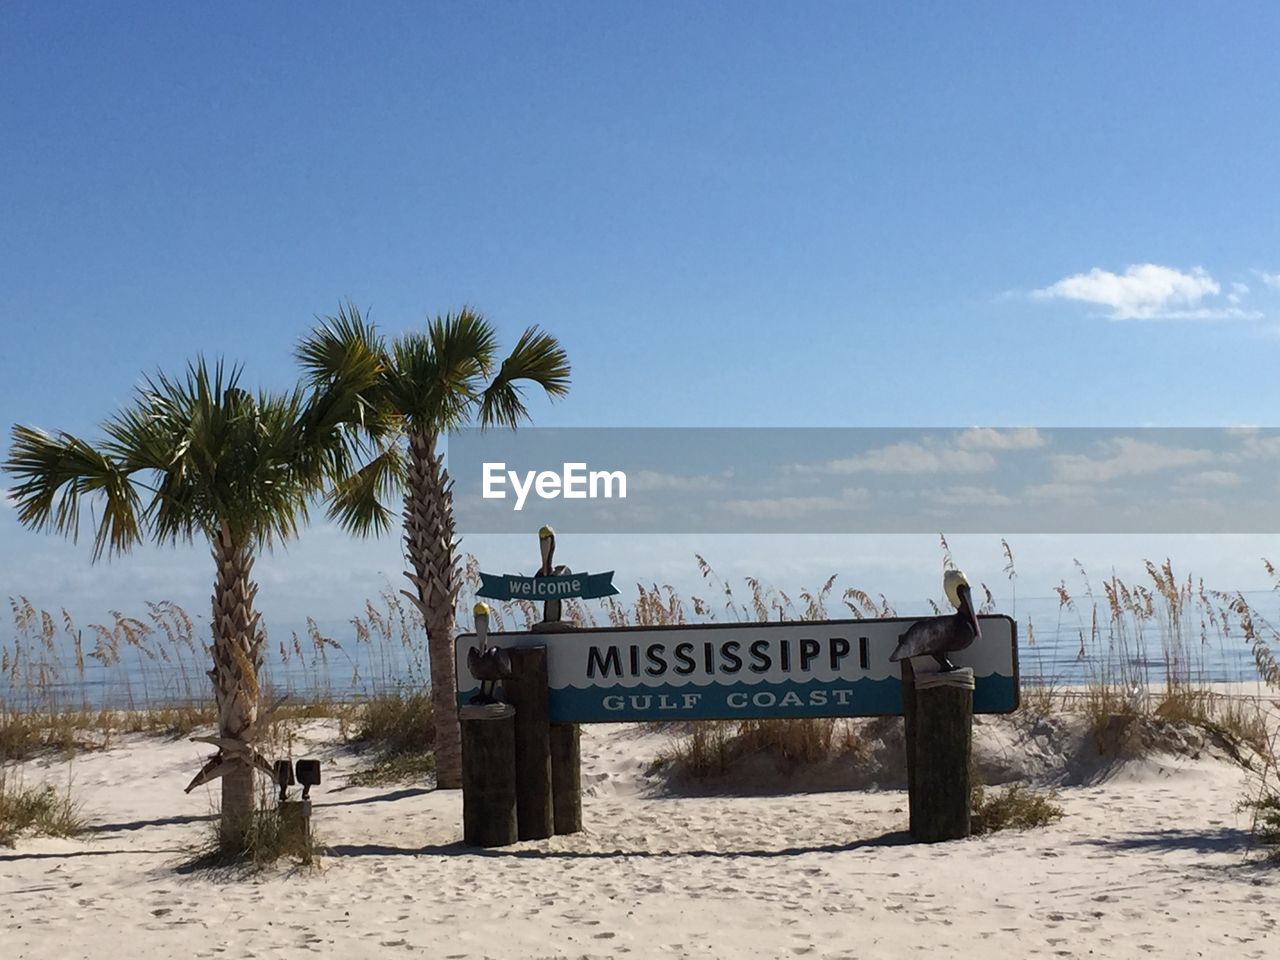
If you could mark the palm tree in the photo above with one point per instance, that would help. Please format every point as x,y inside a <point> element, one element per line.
<point>427,383</point>
<point>197,457</point>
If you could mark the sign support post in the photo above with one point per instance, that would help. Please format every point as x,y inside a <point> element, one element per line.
<point>566,761</point>
<point>527,690</point>
<point>488,774</point>
<point>938,708</point>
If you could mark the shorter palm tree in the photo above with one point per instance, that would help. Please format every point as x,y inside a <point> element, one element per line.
<point>406,394</point>
<point>197,458</point>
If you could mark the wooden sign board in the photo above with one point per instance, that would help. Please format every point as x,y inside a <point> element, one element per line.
<point>827,668</point>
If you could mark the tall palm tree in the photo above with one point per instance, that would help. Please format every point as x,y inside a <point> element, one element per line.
<point>427,383</point>
<point>197,457</point>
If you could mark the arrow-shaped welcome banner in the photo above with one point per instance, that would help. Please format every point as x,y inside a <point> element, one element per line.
<point>586,586</point>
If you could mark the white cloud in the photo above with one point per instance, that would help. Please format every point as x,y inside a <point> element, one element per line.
<point>1258,446</point>
<point>911,457</point>
<point>987,438</point>
<point>1147,291</point>
<point>650,480</point>
<point>968,497</point>
<point>969,451</point>
<point>1214,478</point>
<point>1125,457</point>
<point>1270,279</point>
<point>1075,494</point>
<point>784,508</point>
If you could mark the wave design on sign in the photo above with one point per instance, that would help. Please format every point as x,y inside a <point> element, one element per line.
<point>742,701</point>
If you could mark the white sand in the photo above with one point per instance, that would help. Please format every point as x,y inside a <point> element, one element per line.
<point>1152,861</point>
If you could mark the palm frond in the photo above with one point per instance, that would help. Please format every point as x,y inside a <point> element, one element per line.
<point>357,502</point>
<point>439,374</point>
<point>345,346</point>
<point>537,358</point>
<point>54,472</point>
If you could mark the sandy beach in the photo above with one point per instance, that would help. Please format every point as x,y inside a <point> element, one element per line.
<point>1152,858</point>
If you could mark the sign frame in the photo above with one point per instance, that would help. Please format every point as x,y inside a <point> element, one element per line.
<point>867,691</point>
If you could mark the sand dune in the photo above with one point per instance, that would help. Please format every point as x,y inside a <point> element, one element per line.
<point>1152,860</point>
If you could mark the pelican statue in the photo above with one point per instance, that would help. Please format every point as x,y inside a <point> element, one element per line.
<point>551,609</point>
<point>487,664</point>
<point>939,636</point>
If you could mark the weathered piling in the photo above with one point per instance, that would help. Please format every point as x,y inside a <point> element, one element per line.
<point>566,757</point>
<point>909,738</point>
<point>528,690</point>
<point>488,775</point>
<point>939,751</point>
<point>295,824</point>
<point>566,777</point>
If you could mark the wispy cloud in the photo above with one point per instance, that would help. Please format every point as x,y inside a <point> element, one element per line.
<point>1124,457</point>
<point>989,438</point>
<point>1270,279</point>
<point>969,497</point>
<point>1073,494</point>
<point>911,457</point>
<point>786,508</point>
<point>1149,291</point>
<point>1213,478</point>
<point>652,480</point>
<point>967,451</point>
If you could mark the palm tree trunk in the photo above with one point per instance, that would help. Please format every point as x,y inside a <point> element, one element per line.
<point>429,540</point>
<point>237,658</point>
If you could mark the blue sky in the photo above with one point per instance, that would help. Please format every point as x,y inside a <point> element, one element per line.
<point>731,214</point>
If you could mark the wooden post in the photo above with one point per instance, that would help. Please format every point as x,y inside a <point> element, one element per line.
<point>909,738</point>
<point>566,758</point>
<point>295,824</point>
<point>528,690</point>
<point>566,777</point>
<point>943,746</point>
<point>488,774</point>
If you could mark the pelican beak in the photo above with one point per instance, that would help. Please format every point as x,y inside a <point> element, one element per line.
<point>547,545</point>
<point>966,607</point>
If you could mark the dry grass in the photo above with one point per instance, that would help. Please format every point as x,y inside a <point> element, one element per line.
<point>708,749</point>
<point>395,768</point>
<point>1016,807</point>
<point>265,843</point>
<point>1263,799</point>
<point>38,811</point>
<point>399,729</point>
<point>1266,821</point>
<point>1142,648</point>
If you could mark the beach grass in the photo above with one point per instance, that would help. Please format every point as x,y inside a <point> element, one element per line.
<point>266,842</point>
<point>37,811</point>
<point>1142,653</point>
<point>399,729</point>
<point>1015,807</point>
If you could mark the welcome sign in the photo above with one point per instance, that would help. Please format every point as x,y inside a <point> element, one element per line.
<point>587,586</point>
<point>829,668</point>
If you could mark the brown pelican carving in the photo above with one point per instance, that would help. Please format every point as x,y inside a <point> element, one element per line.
<point>551,609</point>
<point>939,636</point>
<point>487,664</point>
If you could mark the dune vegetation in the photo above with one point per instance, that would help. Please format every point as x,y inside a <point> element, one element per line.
<point>1140,649</point>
